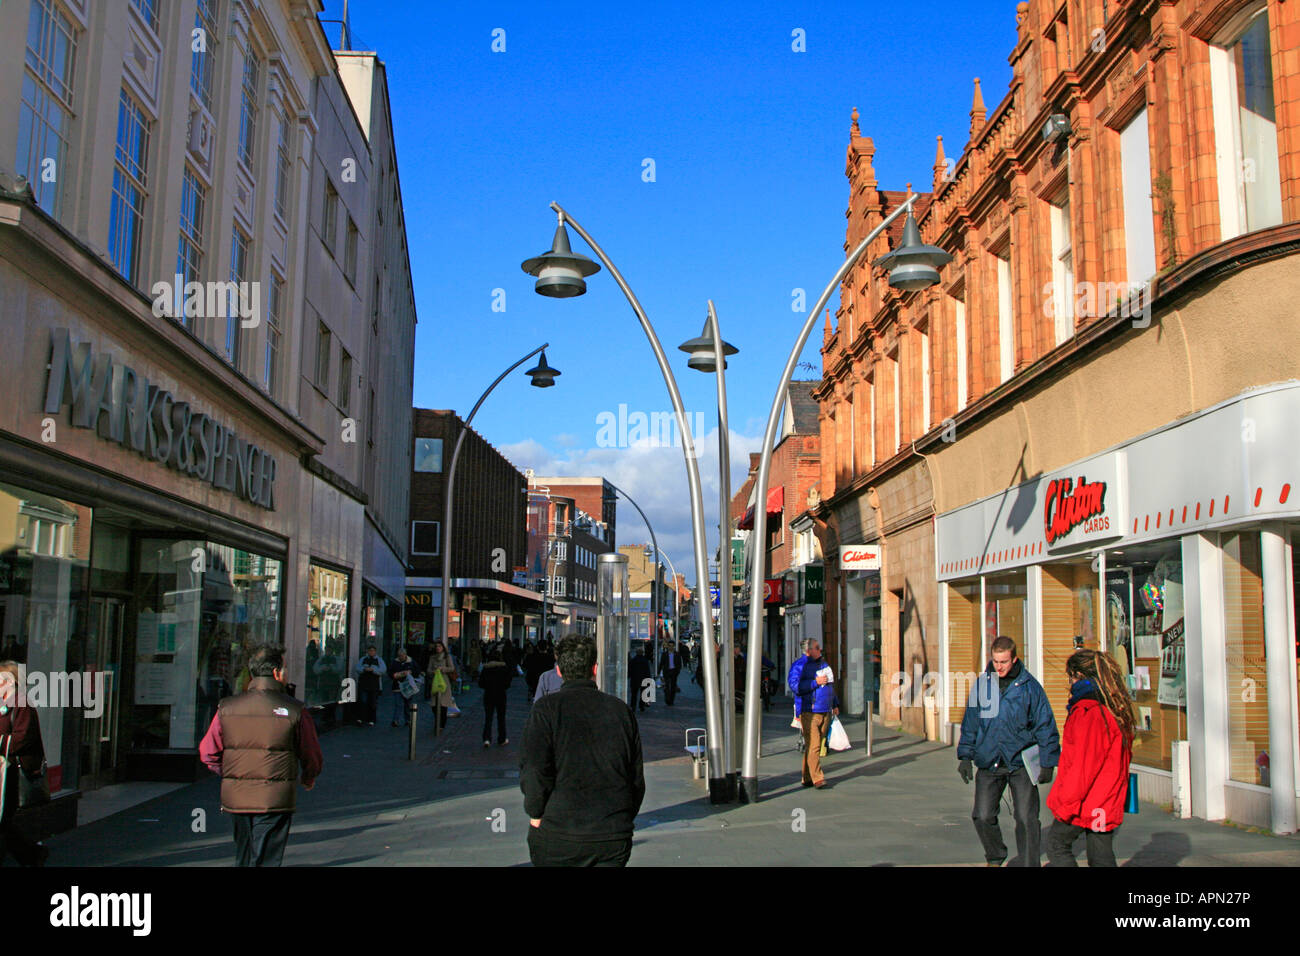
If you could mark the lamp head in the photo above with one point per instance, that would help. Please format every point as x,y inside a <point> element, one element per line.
<point>543,375</point>
<point>702,357</point>
<point>561,273</point>
<point>913,265</point>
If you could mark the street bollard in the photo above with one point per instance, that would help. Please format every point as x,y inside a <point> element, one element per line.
<point>871,724</point>
<point>414,714</point>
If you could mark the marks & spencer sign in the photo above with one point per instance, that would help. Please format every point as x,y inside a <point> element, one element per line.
<point>125,408</point>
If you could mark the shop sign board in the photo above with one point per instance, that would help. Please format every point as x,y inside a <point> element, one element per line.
<point>419,599</point>
<point>125,408</point>
<point>773,591</point>
<point>859,557</point>
<point>814,589</point>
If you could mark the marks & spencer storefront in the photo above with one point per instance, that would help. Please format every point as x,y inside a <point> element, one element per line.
<point>151,505</point>
<point>1177,553</point>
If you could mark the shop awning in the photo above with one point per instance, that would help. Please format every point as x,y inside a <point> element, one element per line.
<point>775,503</point>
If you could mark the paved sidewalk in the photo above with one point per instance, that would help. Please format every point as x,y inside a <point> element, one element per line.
<point>373,807</point>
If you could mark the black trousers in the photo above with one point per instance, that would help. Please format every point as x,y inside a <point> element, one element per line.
<point>1060,845</point>
<point>369,700</point>
<point>989,785</point>
<point>548,849</point>
<point>670,686</point>
<point>499,708</point>
<point>260,838</point>
<point>12,840</point>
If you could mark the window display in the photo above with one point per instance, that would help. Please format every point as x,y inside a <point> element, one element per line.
<point>1243,618</point>
<point>327,661</point>
<point>1144,633</point>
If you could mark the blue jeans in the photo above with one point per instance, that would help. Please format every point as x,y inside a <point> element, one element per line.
<point>401,708</point>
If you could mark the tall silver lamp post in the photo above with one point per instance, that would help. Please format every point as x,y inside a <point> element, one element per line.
<point>562,273</point>
<point>912,266</point>
<point>542,376</point>
<point>708,353</point>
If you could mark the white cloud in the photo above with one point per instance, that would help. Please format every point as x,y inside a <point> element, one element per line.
<point>655,476</point>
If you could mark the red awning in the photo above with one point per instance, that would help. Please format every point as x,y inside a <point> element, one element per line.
<point>775,503</point>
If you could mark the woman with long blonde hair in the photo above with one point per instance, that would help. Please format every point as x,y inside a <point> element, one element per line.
<point>1091,787</point>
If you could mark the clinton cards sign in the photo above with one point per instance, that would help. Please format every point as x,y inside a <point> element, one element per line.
<point>1085,505</point>
<point>859,557</point>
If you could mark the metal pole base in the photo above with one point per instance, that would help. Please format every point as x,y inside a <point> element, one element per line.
<point>733,786</point>
<point>749,790</point>
<point>718,791</point>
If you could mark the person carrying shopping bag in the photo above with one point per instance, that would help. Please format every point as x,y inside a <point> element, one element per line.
<point>1091,788</point>
<point>441,665</point>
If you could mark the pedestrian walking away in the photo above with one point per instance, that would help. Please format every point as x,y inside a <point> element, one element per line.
<point>495,678</point>
<point>670,666</point>
<point>1009,733</point>
<point>812,682</point>
<point>403,665</point>
<point>24,753</point>
<point>370,672</point>
<point>581,772</point>
<point>1090,791</point>
<point>638,673</point>
<point>548,683</point>
<point>262,743</point>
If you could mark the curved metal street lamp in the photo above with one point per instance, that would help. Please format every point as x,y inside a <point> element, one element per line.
<point>561,273</point>
<point>708,353</point>
<point>541,376</point>
<point>912,266</point>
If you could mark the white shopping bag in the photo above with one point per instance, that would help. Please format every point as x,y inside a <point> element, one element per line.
<point>838,739</point>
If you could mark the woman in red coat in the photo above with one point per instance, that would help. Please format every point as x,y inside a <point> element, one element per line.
<point>1091,785</point>
<point>20,735</point>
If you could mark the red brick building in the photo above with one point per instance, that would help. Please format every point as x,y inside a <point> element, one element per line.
<point>489,536</point>
<point>795,470</point>
<point>1125,226</point>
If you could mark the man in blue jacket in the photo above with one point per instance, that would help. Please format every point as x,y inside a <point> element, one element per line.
<point>1008,725</point>
<point>812,682</point>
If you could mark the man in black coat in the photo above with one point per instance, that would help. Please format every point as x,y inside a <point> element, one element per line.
<point>581,772</point>
<point>670,665</point>
<point>638,672</point>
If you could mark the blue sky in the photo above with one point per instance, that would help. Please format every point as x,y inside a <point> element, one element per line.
<point>748,141</point>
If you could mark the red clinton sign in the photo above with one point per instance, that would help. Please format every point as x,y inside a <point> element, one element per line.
<point>1069,506</point>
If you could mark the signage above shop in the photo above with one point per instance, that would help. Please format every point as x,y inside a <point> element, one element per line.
<point>1070,505</point>
<point>419,599</point>
<point>124,408</point>
<point>773,591</point>
<point>859,557</point>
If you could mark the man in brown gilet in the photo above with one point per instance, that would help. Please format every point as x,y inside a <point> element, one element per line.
<point>256,742</point>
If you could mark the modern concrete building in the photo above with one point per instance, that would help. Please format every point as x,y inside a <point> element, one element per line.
<point>1082,435</point>
<point>182,462</point>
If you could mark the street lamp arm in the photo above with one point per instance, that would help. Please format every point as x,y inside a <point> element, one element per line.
<point>749,770</point>
<point>449,492</point>
<point>713,710</point>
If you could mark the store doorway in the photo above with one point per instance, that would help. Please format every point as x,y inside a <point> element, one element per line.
<point>105,627</point>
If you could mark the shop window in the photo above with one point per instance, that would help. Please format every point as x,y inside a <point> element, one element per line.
<point>327,660</point>
<point>1004,612</point>
<point>965,649</point>
<point>1071,613</point>
<point>1247,691</point>
<point>44,562</point>
<point>1144,634</point>
<point>200,610</point>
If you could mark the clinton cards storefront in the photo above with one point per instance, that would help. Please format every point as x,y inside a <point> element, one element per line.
<point>1176,552</point>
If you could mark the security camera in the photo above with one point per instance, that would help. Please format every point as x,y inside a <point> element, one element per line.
<point>1056,127</point>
